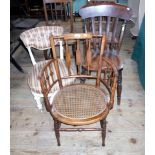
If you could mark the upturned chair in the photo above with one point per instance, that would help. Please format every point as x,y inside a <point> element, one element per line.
<point>38,38</point>
<point>65,7</point>
<point>110,19</point>
<point>79,104</point>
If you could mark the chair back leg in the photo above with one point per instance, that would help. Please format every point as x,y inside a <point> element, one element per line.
<point>103,126</point>
<point>119,86</point>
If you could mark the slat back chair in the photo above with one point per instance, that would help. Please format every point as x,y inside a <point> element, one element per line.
<point>110,19</point>
<point>66,5</point>
<point>38,38</point>
<point>79,104</point>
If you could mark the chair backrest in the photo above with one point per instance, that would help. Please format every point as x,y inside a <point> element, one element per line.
<point>108,77</point>
<point>38,38</point>
<point>67,6</point>
<point>106,18</point>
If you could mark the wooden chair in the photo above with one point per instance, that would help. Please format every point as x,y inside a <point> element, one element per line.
<point>110,19</point>
<point>79,104</point>
<point>64,6</point>
<point>38,38</point>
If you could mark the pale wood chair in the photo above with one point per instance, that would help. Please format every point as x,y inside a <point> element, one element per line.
<point>65,7</point>
<point>107,18</point>
<point>79,104</point>
<point>38,38</point>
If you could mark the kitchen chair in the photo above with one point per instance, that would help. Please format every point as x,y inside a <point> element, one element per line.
<point>79,104</point>
<point>110,19</point>
<point>38,38</point>
<point>53,6</point>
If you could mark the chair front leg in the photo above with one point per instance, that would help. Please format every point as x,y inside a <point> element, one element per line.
<point>119,86</point>
<point>103,126</point>
<point>57,125</point>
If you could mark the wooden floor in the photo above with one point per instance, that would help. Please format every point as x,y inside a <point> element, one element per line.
<point>32,131</point>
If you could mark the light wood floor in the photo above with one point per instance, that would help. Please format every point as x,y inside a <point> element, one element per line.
<point>32,131</point>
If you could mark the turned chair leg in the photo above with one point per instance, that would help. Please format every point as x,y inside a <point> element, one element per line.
<point>103,126</point>
<point>57,125</point>
<point>119,86</point>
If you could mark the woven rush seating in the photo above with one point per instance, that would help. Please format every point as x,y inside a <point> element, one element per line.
<point>79,103</point>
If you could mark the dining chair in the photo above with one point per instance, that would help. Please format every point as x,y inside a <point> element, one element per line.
<point>65,8</point>
<point>79,104</point>
<point>110,19</point>
<point>38,38</point>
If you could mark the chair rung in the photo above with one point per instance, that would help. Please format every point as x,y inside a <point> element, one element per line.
<point>80,129</point>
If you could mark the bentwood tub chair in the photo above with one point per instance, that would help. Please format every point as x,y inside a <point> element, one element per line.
<point>79,104</point>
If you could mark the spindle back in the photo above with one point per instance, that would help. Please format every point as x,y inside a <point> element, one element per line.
<point>106,73</point>
<point>106,18</point>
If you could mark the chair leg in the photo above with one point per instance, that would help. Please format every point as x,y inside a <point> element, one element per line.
<point>16,64</point>
<point>103,126</point>
<point>38,101</point>
<point>119,86</point>
<point>57,125</point>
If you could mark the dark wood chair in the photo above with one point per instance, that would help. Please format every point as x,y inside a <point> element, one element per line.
<point>56,7</point>
<point>79,104</point>
<point>109,19</point>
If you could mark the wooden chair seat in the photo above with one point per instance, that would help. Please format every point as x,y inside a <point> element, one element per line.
<point>116,61</point>
<point>80,104</point>
<point>112,58</point>
<point>33,78</point>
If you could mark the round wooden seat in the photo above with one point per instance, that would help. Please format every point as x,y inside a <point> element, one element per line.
<point>80,104</point>
<point>113,58</point>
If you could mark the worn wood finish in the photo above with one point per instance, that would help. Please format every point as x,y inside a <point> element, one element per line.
<point>110,19</point>
<point>31,131</point>
<point>63,4</point>
<point>63,115</point>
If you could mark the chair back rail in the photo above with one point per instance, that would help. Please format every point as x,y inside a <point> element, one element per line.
<point>106,18</point>
<point>38,38</point>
